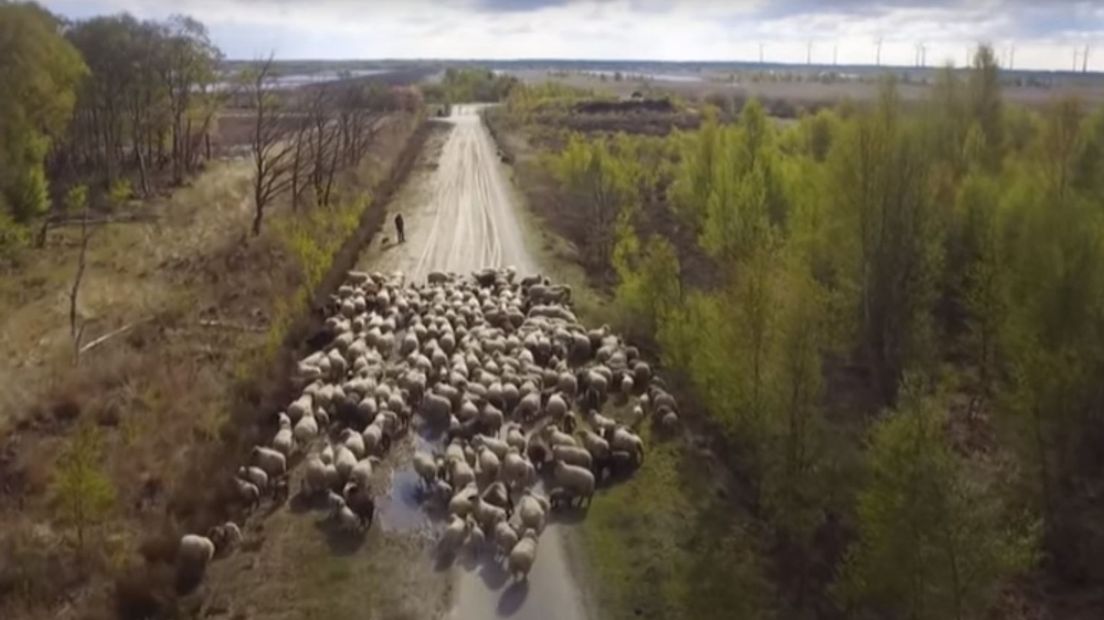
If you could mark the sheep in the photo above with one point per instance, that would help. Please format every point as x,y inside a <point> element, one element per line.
<point>516,471</point>
<point>528,407</point>
<point>425,467</point>
<point>523,555</point>
<point>461,502</point>
<point>600,422</point>
<point>491,417</point>
<point>361,474</point>
<point>359,500</point>
<point>462,474</point>
<point>306,429</point>
<point>499,447</point>
<point>625,440</point>
<point>272,462</point>
<point>532,510</point>
<point>354,442</point>
<point>453,536</point>
<point>557,438</point>
<point>488,463</point>
<point>340,512</point>
<point>515,438</point>
<point>435,409</point>
<point>193,555</point>
<point>477,539</point>
<point>373,437</point>
<point>255,475</point>
<point>226,536</point>
<point>344,460</point>
<point>486,513</point>
<point>556,407</point>
<point>575,479</point>
<point>573,455</point>
<point>314,477</point>
<point>599,448</point>
<point>505,537</point>
<point>284,441</point>
<point>669,421</point>
<point>247,492</point>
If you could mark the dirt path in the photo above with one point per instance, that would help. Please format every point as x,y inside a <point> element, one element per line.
<point>460,217</point>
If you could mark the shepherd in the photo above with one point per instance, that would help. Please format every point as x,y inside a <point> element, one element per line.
<point>399,228</point>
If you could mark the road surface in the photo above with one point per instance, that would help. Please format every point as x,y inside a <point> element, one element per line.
<point>460,217</point>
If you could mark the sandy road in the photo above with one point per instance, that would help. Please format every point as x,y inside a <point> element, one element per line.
<point>460,217</point>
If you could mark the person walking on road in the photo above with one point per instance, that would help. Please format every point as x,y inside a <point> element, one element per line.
<point>399,228</point>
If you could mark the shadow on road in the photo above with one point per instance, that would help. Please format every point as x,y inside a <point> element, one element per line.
<point>513,598</point>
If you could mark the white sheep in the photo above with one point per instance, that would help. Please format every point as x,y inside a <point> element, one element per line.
<point>272,462</point>
<point>255,475</point>
<point>575,479</point>
<point>436,409</point>
<point>372,437</point>
<point>314,476</point>
<point>426,467</point>
<point>556,437</point>
<point>625,440</point>
<point>462,474</point>
<point>344,460</point>
<point>306,429</point>
<point>599,448</point>
<point>247,491</point>
<point>194,554</point>
<point>532,510</point>
<point>505,537</point>
<point>556,407</point>
<point>354,441</point>
<point>573,455</point>
<point>284,441</point>
<point>488,464</point>
<point>523,555</point>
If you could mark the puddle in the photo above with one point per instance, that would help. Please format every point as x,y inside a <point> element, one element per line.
<point>403,508</point>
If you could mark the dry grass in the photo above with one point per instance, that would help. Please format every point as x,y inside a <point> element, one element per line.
<point>202,296</point>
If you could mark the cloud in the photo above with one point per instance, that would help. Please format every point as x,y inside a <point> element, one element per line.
<point>1044,31</point>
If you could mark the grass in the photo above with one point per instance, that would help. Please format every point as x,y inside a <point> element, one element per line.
<point>163,392</point>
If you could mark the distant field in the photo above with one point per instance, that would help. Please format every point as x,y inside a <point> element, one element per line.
<point>807,92</point>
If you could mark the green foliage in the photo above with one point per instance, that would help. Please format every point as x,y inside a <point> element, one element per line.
<point>38,80</point>
<point>468,85</point>
<point>81,490</point>
<point>934,541</point>
<point>649,288</point>
<point>76,199</point>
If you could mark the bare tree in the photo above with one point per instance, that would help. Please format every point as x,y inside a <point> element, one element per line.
<point>77,198</point>
<point>272,152</point>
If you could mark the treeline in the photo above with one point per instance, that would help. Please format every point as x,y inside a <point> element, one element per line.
<point>470,85</point>
<point>896,319</point>
<point>114,102</point>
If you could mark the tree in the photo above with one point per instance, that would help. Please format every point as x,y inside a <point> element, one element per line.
<point>38,80</point>
<point>82,492</point>
<point>77,200</point>
<point>934,541</point>
<point>984,102</point>
<point>272,153</point>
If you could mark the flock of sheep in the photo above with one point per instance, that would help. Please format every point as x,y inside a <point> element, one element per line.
<point>497,370</point>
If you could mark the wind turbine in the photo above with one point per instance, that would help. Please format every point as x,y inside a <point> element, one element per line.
<point>835,54</point>
<point>1085,60</point>
<point>809,53</point>
<point>1012,57</point>
<point>1076,55</point>
<point>878,53</point>
<point>760,53</point>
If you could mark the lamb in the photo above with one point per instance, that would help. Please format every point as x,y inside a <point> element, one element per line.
<point>499,447</point>
<point>486,513</point>
<point>373,437</point>
<point>461,502</point>
<point>575,479</point>
<point>272,462</point>
<point>226,536</point>
<point>491,417</point>
<point>573,455</point>
<point>523,555</point>
<point>600,422</point>
<point>515,438</point>
<point>193,555</point>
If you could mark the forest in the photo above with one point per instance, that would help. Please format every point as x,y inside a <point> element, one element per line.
<point>893,316</point>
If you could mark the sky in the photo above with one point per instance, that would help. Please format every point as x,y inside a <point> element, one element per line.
<point>1036,34</point>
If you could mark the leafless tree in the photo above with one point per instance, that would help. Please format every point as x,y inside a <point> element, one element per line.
<point>272,151</point>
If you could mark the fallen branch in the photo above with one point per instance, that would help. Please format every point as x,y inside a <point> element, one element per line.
<point>109,335</point>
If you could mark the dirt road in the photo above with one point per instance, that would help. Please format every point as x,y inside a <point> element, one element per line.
<point>460,217</point>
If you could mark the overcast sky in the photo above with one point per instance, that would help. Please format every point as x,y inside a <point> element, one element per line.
<point>1045,32</point>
